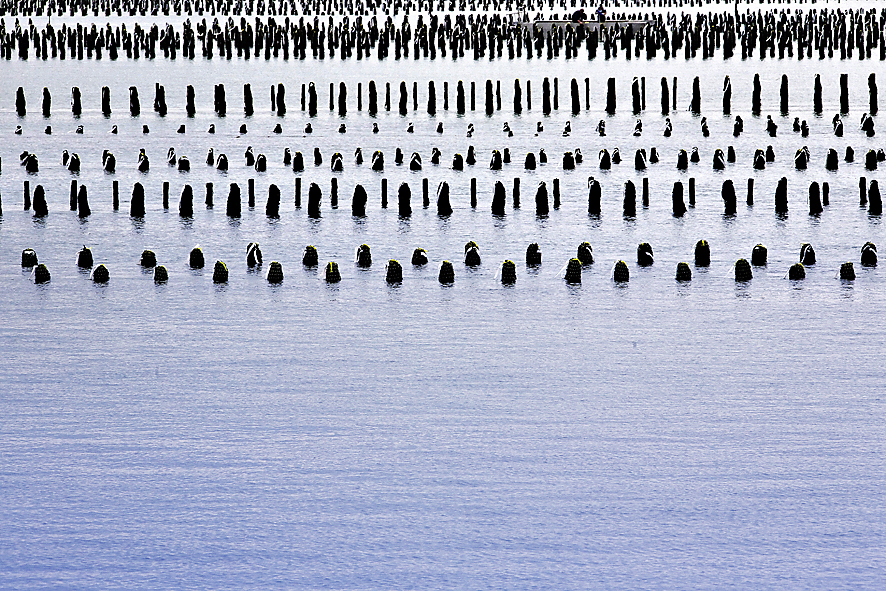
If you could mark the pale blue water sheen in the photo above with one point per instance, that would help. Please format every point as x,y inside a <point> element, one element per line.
<point>362,436</point>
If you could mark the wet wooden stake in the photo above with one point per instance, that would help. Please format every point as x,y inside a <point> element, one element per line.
<point>674,95</point>
<point>643,92</point>
<point>73,197</point>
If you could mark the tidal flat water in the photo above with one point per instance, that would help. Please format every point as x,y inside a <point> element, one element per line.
<point>648,435</point>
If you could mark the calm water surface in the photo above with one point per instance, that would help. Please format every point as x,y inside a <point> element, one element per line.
<point>361,436</point>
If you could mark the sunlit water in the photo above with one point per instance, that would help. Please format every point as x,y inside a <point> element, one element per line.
<point>367,436</point>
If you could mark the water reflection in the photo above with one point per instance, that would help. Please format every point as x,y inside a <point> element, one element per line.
<point>138,224</point>
<point>573,291</point>
<point>403,225</point>
<point>743,289</point>
<point>394,292</point>
<point>332,290</point>
<point>359,223</point>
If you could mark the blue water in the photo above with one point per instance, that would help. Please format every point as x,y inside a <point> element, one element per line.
<point>652,435</point>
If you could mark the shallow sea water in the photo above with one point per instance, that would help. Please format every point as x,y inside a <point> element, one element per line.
<point>362,436</point>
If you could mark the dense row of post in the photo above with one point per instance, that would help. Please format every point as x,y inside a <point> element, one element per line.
<point>821,34</point>
<point>571,159</point>
<point>508,275</point>
<point>545,200</point>
<point>107,8</point>
<point>466,99</point>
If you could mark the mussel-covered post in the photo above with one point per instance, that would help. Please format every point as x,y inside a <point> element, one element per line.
<point>573,271</point>
<point>759,256</point>
<point>394,273</point>
<point>220,273</point>
<point>702,254</point>
<point>333,275</point>
<point>447,273</point>
<point>743,270</point>
<point>533,255</point>
<point>275,272</point>
<point>621,274</point>
<point>508,272</point>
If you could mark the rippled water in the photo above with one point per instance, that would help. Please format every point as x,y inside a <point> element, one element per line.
<point>363,436</point>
